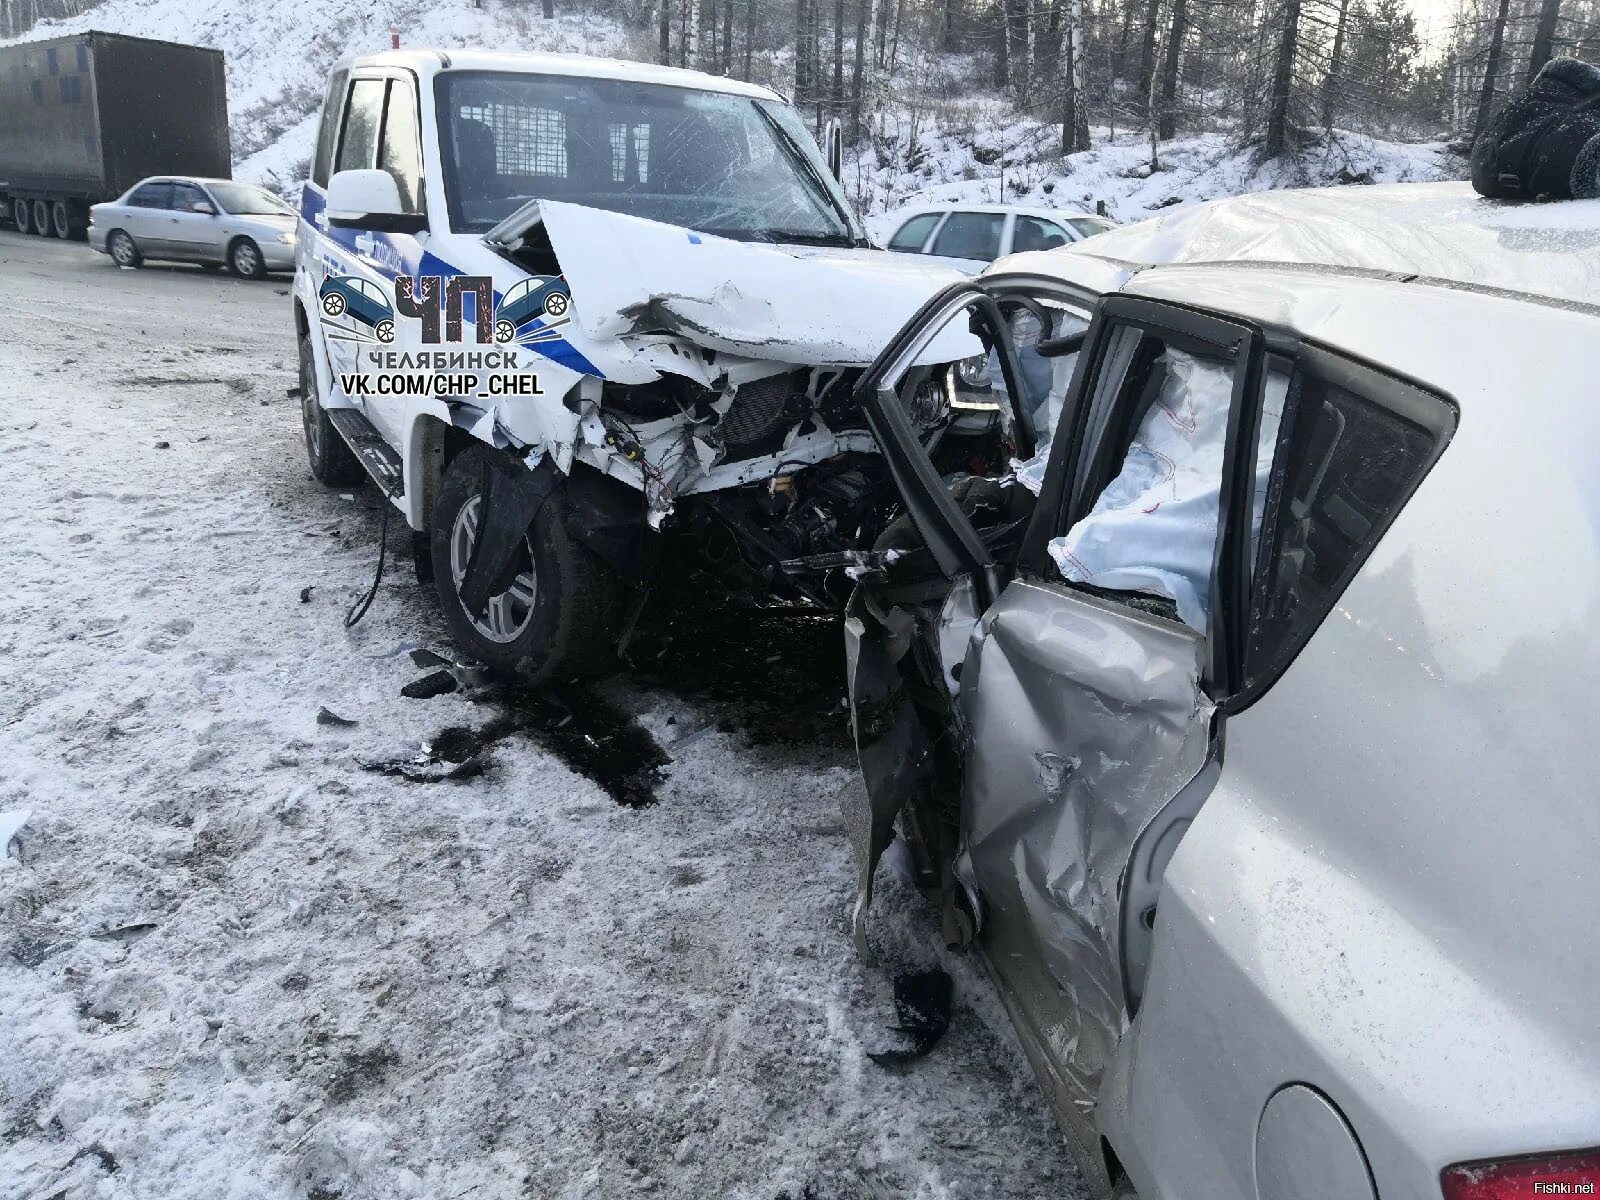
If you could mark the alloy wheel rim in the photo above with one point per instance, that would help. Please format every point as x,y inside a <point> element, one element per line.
<point>244,259</point>
<point>509,613</point>
<point>121,250</point>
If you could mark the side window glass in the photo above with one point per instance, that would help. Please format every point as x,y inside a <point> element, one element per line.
<point>400,152</point>
<point>358,148</point>
<point>910,236</point>
<point>1152,530</point>
<point>1031,233</point>
<point>971,235</point>
<point>328,131</point>
<point>152,195</point>
<point>1345,464</point>
<point>185,196</point>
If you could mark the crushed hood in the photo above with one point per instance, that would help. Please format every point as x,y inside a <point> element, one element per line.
<point>804,305</point>
<point>1438,230</point>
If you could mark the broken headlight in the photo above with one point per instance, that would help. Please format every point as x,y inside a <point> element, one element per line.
<point>974,371</point>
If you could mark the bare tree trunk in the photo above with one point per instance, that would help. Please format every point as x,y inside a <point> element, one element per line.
<point>1491,69</point>
<point>1544,37</point>
<point>860,70</point>
<point>685,26</point>
<point>727,37</point>
<point>749,35</point>
<point>802,72</point>
<point>1147,57</point>
<point>947,29</point>
<point>1075,115</point>
<point>880,33</point>
<point>1002,44</point>
<point>894,43</point>
<point>1283,81</point>
<point>549,9</point>
<point>666,31</point>
<point>1168,125</point>
<point>836,99</point>
<point>1330,85</point>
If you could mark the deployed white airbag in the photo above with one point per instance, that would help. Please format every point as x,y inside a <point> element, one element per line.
<point>1154,528</point>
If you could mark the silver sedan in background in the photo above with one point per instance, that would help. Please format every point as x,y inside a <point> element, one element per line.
<point>214,222</point>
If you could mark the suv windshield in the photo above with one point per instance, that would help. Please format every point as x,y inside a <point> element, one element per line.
<point>730,165</point>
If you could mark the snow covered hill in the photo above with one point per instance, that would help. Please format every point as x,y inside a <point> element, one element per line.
<point>921,150</point>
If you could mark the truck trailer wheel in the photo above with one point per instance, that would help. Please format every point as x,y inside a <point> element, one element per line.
<point>557,615</point>
<point>332,460</point>
<point>61,222</point>
<point>122,249</point>
<point>41,218</point>
<point>19,215</point>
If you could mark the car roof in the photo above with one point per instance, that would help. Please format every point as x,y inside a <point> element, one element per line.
<point>1022,210</point>
<point>1438,231</point>
<point>433,61</point>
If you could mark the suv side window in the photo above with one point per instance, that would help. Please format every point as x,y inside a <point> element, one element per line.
<point>152,195</point>
<point>909,237</point>
<point>400,148</point>
<point>1352,447</point>
<point>328,131</point>
<point>358,148</point>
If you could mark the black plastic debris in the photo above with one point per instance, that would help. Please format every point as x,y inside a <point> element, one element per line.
<point>922,1005</point>
<point>163,445</point>
<point>305,595</point>
<point>436,683</point>
<point>325,717</point>
<point>423,657</point>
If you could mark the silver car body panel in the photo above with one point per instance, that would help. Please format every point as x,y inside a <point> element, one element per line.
<point>1082,720</point>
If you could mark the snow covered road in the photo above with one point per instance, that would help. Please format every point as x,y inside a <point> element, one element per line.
<point>235,964</point>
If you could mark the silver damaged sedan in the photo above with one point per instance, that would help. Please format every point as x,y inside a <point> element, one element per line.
<point>213,222</point>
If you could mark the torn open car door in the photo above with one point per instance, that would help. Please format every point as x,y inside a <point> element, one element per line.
<point>1082,716</point>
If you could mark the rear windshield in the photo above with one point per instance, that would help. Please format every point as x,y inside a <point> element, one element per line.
<point>736,166</point>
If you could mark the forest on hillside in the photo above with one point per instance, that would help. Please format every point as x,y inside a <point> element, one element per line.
<point>1275,76</point>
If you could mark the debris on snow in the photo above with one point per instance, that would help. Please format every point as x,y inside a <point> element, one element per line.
<point>435,683</point>
<point>326,716</point>
<point>922,1005</point>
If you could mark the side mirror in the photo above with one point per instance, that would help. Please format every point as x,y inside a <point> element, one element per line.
<point>203,207</point>
<point>833,146</point>
<point>369,199</point>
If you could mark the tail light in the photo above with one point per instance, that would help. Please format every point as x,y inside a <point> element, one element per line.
<point>1575,1174</point>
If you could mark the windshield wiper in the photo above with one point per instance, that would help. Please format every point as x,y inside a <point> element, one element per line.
<point>819,186</point>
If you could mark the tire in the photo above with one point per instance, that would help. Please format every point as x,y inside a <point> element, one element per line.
<point>61,220</point>
<point>123,250</point>
<point>245,261</point>
<point>332,460</point>
<point>21,215</point>
<point>41,218</point>
<point>569,626</point>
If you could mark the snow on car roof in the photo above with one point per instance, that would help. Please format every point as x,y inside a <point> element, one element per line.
<point>1440,231</point>
<point>428,61</point>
